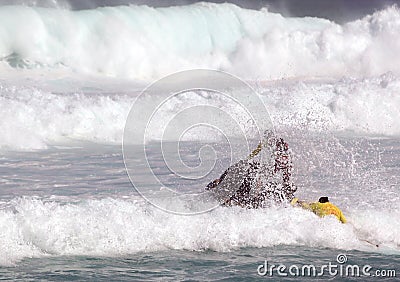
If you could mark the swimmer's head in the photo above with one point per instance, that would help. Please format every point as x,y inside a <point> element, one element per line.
<point>323,200</point>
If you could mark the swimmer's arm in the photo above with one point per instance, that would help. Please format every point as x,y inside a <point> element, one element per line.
<point>342,218</point>
<point>303,204</point>
<point>256,151</point>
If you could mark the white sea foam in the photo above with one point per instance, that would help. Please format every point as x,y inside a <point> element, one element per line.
<point>361,106</point>
<point>146,43</point>
<point>33,118</point>
<point>111,227</point>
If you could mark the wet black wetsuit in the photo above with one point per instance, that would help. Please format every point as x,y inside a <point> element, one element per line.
<point>252,184</point>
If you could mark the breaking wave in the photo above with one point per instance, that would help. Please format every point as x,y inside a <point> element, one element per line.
<point>111,227</point>
<point>34,119</point>
<point>146,43</point>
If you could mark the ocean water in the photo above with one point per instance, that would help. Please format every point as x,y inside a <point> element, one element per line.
<point>72,213</point>
<point>68,210</point>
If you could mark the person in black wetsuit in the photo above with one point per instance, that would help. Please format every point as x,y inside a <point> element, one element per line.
<point>254,184</point>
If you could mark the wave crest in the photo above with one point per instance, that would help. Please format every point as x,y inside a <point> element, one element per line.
<point>147,43</point>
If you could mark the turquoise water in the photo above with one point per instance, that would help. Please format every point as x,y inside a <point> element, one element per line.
<point>240,265</point>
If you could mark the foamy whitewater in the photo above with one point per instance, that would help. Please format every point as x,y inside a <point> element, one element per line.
<point>146,43</point>
<point>68,80</point>
<point>33,118</point>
